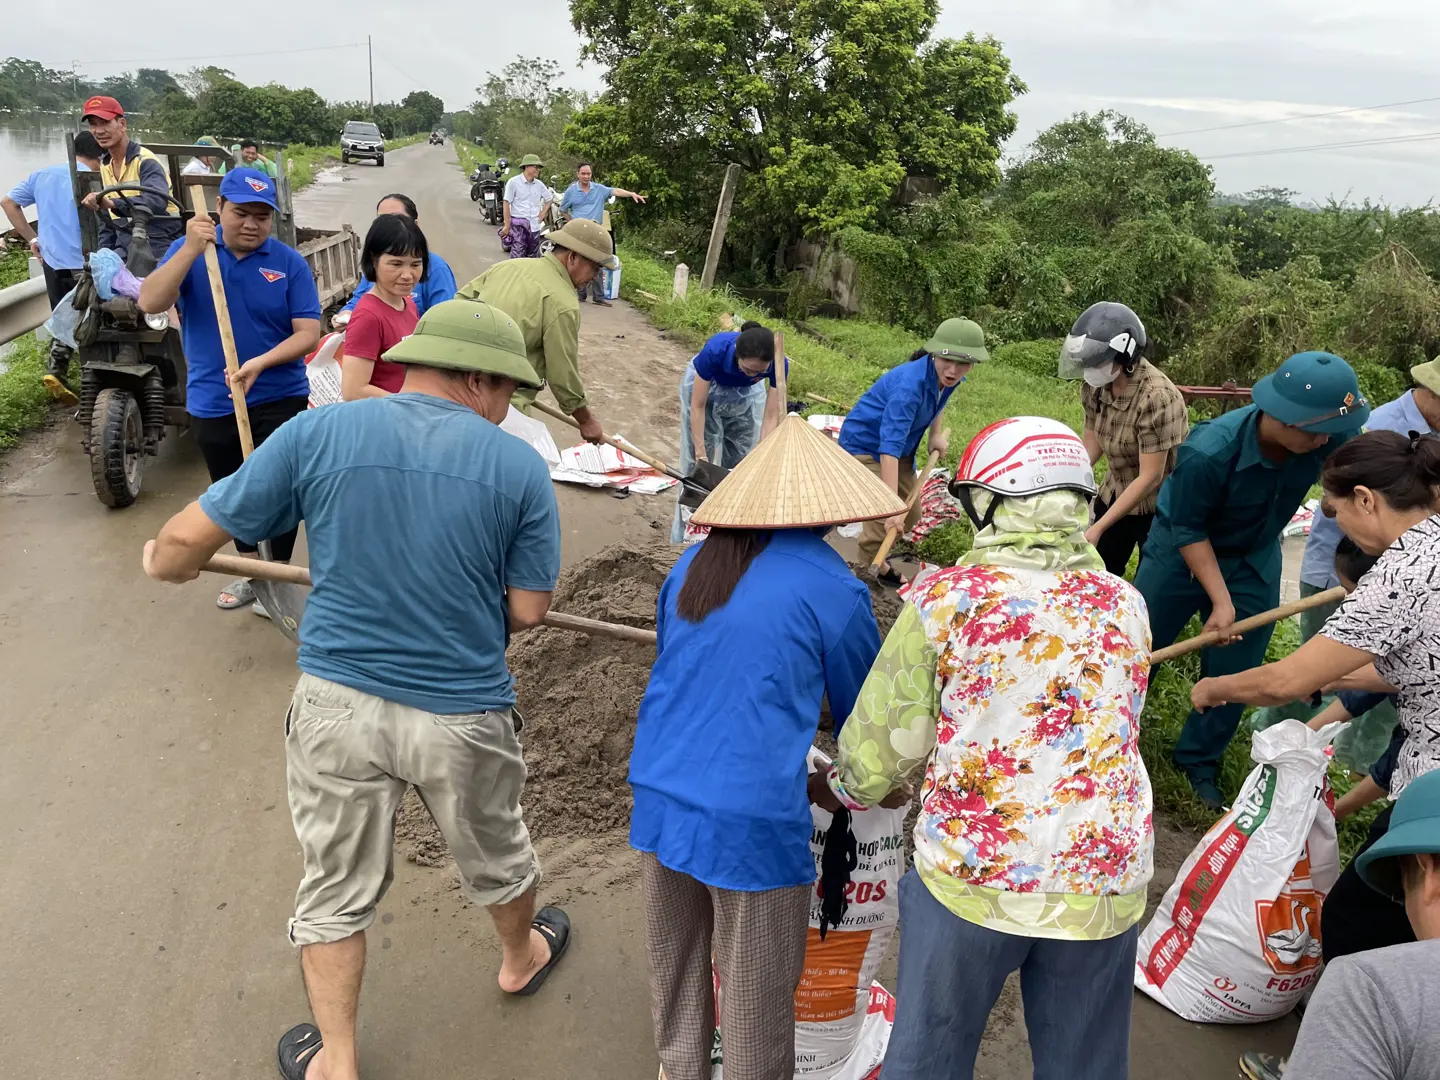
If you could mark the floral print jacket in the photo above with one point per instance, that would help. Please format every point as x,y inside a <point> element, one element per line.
<point>1020,691</point>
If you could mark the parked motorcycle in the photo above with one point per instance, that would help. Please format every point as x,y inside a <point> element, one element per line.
<point>132,380</point>
<point>489,192</point>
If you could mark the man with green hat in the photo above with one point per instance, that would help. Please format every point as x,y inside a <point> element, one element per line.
<point>1214,548</point>
<point>1373,1014</point>
<point>527,202</point>
<point>433,535</point>
<point>540,295</point>
<point>886,425</point>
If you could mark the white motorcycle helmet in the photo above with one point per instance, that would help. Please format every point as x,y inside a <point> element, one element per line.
<point>1025,455</point>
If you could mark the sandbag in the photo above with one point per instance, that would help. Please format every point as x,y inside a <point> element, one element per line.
<point>322,368</point>
<point>1237,938</point>
<point>842,1016</point>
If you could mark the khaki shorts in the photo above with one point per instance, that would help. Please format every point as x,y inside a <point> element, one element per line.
<point>349,757</point>
<point>872,533</point>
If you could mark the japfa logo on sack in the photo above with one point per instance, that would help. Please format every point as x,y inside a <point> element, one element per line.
<point>1237,937</point>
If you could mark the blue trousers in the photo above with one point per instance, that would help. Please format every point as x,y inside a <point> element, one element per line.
<point>1077,994</point>
<point>1173,595</point>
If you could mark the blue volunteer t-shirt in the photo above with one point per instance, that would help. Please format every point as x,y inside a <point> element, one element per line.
<point>57,221</point>
<point>264,291</point>
<point>716,363</point>
<point>418,514</point>
<point>586,204</point>
<point>891,417</point>
<point>718,770</point>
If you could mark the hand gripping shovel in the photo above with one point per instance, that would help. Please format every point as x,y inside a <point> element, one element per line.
<point>284,603</point>
<point>697,485</point>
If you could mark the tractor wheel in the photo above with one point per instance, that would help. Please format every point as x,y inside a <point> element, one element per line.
<point>117,447</point>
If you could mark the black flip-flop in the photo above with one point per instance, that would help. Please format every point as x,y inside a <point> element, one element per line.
<point>554,924</point>
<point>297,1048</point>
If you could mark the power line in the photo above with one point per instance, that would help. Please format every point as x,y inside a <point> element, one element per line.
<point>1388,141</point>
<point>215,56</point>
<point>1302,116</point>
<point>416,82</point>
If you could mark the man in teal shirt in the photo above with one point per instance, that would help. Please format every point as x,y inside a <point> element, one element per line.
<point>1215,546</point>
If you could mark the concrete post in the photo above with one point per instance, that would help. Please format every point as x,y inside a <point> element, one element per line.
<point>682,281</point>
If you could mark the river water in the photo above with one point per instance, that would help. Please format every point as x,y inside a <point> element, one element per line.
<point>29,142</point>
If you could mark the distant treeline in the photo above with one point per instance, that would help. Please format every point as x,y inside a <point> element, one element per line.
<point>210,100</point>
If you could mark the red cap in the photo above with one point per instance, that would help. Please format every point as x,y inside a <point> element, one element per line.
<point>106,108</point>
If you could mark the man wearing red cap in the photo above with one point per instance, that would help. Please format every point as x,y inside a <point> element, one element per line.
<point>125,161</point>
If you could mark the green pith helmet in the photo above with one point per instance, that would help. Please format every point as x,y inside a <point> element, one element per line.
<point>468,335</point>
<point>531,159</point>
<point>1315,392</point>
<point>1414,830</point>
<point>960,340</point>
<point>1427,375</point>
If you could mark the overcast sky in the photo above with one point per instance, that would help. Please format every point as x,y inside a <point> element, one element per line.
<point>1177,65</point>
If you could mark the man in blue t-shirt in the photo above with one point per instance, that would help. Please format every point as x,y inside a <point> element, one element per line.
<point>275,315</point>
<point>585,199</point>
<point>432,535</point>
<point>55,241</point>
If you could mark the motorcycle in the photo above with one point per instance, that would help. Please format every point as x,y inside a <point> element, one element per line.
<point>132,364</point>
<point>489,192</point>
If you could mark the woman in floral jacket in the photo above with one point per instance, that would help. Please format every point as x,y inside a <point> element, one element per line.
<point>1017,679</point>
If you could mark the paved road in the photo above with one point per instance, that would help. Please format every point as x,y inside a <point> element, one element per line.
<point>148,860</point>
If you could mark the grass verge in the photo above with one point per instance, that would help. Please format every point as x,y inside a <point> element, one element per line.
<point>469,154</point>
<point>840,358</point>
<point>24,402</point>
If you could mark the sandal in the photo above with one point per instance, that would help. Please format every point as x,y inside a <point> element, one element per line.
<point>554,926</point>
<point>237,594</point>
<point>297,1047</point>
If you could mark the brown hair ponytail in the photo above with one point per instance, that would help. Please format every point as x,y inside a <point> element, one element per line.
<point>1404,470</point>
<point>717,568</point>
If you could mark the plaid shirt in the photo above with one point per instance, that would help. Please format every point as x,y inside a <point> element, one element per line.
<point>1150,418</point>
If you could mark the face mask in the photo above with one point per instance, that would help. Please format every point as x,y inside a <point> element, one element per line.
<point>1098,377</point>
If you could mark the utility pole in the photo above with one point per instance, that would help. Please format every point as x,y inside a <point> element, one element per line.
<point>369,52</point>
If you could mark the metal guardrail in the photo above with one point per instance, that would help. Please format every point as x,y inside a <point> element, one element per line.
<point>23,307</point>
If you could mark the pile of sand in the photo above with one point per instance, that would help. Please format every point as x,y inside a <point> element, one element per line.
<point>579,695</point>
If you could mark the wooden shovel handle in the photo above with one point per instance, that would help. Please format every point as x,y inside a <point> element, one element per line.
<point>227,332</point>
<point>892,535</point>
<point>1244,626</point>
<point>623,447</point>
<point>300,575</point>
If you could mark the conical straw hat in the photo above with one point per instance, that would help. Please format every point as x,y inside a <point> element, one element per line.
<point>796,477</point>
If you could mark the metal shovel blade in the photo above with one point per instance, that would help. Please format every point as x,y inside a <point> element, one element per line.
<point>284,603</point>
<point>701,481</point>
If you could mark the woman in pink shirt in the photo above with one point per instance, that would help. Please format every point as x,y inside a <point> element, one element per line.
<point>396,258</point>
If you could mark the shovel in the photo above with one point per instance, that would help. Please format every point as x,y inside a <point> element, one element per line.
<point>271,596</point>
<point>699,483</point>
<point>292,582</point>
<point>891,535</point>
<point>1244,626</point>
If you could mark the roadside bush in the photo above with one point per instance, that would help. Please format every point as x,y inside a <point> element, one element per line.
<point>1038,358</point>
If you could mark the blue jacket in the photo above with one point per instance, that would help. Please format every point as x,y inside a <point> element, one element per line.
<point>892,416</point>
<point>438,286</point>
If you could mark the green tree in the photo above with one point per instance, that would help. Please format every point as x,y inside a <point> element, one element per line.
<point>426,108</point>
<point>820,102</point>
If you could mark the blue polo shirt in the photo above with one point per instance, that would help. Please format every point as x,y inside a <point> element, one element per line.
<point>264,291</point>
<point>718,768</point>
<point>716,363</point>
<point>438,286</point>
<point>586,204</point>
<point>1318,566</point>
<point>1225,490</point>
<point>892,416</point>
<point>58,221</point>
<point>419,514</point>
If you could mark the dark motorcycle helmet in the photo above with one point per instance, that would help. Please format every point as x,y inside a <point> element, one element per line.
<point>1104,332</point>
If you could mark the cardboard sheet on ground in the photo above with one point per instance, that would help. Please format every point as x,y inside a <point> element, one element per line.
<point>606,467</point>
